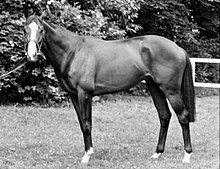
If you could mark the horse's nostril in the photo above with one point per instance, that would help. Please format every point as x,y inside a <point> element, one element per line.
<point>31,59</point>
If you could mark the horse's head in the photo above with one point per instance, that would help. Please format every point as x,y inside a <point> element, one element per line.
<point>33,35</point>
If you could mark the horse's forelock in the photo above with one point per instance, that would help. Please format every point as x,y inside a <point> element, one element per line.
<point>32,18</point>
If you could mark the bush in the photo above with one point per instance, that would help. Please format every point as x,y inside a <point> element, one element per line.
<point>37,82</point>
<point>106,19</point>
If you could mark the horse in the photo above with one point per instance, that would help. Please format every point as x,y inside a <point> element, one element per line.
<point>87,66</point>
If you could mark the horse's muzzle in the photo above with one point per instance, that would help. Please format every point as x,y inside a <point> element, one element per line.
<point>32,51</point>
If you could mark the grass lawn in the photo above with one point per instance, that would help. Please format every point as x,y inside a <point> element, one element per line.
<point>125,134</point>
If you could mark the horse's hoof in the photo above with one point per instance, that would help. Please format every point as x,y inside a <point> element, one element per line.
<point>186,158</point>
<point>155,155</point>
<point>87,155</point>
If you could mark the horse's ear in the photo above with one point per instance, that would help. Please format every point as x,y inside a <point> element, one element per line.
<point>43,15</point>
<point>48,10</point>
<point>26,9</point>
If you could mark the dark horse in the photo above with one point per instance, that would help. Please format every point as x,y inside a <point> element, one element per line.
<point>86,66</point>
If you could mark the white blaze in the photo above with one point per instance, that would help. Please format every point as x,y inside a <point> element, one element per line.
<point>32,47</point>
<point>32,50</point>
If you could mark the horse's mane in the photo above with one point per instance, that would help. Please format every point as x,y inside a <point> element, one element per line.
<point>61,29</point>
<point>34,18</point>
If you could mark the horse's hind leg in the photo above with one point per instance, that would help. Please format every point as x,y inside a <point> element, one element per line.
<point>161,105</point>
<point>183,117</point>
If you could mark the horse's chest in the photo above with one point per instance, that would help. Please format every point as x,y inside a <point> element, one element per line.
<point>68,81</point>
<point>74,79</point>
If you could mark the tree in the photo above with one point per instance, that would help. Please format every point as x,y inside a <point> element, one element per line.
<point>168,18</point>
<point>206,13</point>
<point>106,19</point>
<point>37,82</point>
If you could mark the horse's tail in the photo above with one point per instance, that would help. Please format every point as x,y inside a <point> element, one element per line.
<point>187,89</point>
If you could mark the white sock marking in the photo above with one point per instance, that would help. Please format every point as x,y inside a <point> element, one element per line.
<point>87,155</point>
<point>186,158</point>
<point>156,155</point>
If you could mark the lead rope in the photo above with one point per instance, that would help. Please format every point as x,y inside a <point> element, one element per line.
<point>14,69</point>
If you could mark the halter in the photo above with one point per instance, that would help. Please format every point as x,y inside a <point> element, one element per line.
<point>18,66</point>
<point>38,44</point>
<point>23,61</point>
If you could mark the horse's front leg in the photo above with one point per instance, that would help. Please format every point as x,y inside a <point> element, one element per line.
<point>83,107</point>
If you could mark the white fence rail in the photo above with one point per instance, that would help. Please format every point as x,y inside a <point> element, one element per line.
<point>204,60</point>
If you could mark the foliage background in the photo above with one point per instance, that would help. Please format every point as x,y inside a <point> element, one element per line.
<point>192,24</point>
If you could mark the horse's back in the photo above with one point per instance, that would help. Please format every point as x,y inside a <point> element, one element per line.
<point>120,64</point>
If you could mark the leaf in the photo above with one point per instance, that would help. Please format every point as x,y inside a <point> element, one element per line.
<point>29,98</point>
<point>17,22</point>
<point>20,90</point>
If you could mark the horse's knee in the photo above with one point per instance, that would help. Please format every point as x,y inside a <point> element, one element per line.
<point>165,120</point>
<point>179,108</point>
<point>183,117</point>
<point>87,127</point>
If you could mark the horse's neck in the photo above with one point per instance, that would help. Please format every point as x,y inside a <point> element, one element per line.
<point>54,45</point>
